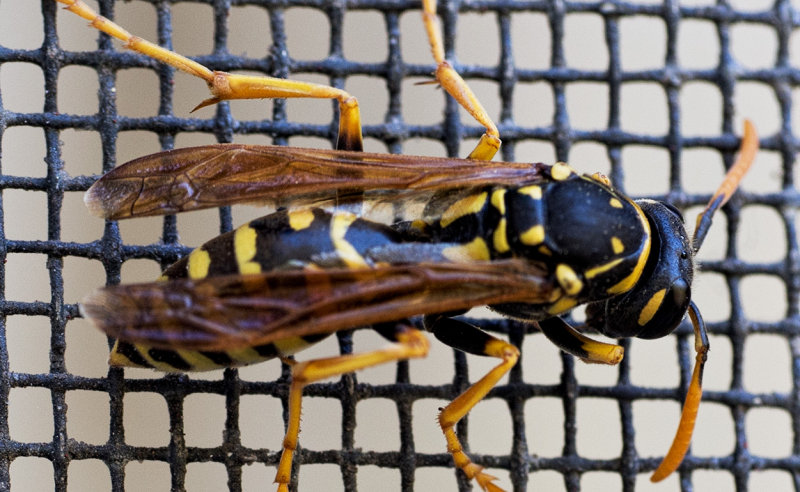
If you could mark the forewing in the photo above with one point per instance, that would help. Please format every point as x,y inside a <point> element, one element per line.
<point>222,313</point>
<point>217,175</point>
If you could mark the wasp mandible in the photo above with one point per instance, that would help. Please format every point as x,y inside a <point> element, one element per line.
<point>531,241</point>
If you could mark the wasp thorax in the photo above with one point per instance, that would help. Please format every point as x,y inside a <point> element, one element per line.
<point>657,303</point>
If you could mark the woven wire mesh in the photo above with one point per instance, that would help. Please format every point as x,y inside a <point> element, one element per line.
<point>671,132</point>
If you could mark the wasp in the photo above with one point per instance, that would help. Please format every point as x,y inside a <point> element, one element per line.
<point>531,241</point>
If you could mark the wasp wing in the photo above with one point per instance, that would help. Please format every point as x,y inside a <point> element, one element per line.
<point>227,312</point>
<point>218,175</point>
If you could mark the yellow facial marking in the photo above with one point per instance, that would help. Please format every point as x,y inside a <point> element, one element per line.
<point>339,224</point>
<point>545,250</point>
<point>568,279</point>
<point>562,305</point>
<point>616,245</point>
<point>533,236</point>
<point>499,238</point>
<point>198,263</point>
<point>532,191</point>
<point>468,205</point>
<point>498,200</point>
<point>300,219</point>
<point>244,242</point>
<point>560,171</point>
<point>651,308</point>
<point>614,202</point>
<point>472,251</point>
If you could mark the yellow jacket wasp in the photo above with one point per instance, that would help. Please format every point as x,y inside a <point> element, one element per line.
<point>531,241</point>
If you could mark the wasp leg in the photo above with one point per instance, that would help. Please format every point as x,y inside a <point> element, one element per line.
<point>465,337</point>
<point>224,86</point>
<point>452,82</point>
<point>572,342</point>
<point>410,343</point>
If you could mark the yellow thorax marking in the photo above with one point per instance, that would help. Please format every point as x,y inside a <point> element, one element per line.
<point>601,178</point>
<point>568,279</point>
<point>625,284</point>
<point>533,236</point>
<point>300,219</point>
<point>560,171</point>
<point>533,191</point>
<point>616,245</point>
<point>562,305</point>
<point>593,272</point>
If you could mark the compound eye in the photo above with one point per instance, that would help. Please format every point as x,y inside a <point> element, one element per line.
<point>680,292</point>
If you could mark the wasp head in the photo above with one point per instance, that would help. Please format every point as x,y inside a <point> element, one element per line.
<point>656,304</point>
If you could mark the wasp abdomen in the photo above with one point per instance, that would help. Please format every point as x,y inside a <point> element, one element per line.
<point>306,238</point>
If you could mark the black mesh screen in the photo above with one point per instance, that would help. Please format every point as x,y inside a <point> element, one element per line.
<point>651,93</point>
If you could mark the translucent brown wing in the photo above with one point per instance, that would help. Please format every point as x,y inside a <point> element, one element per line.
<point>222,313</point>
<point>217,175</point>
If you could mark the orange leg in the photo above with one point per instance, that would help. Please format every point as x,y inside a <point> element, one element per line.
<point>224,86</point>
<point>452,82</point>
<point>410,343</point>
<point>465,337</point>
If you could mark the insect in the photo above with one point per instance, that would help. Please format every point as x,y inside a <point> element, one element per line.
<point>531,241</point>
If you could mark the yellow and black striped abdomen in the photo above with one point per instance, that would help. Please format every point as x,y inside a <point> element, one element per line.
<point>285,239</point>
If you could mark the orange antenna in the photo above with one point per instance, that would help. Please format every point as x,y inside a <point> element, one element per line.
<point>747,153</point>
<point>683,436</point>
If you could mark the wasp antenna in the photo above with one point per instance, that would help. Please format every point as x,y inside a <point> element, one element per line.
<point>683,436</point>
<point>747,153</point>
